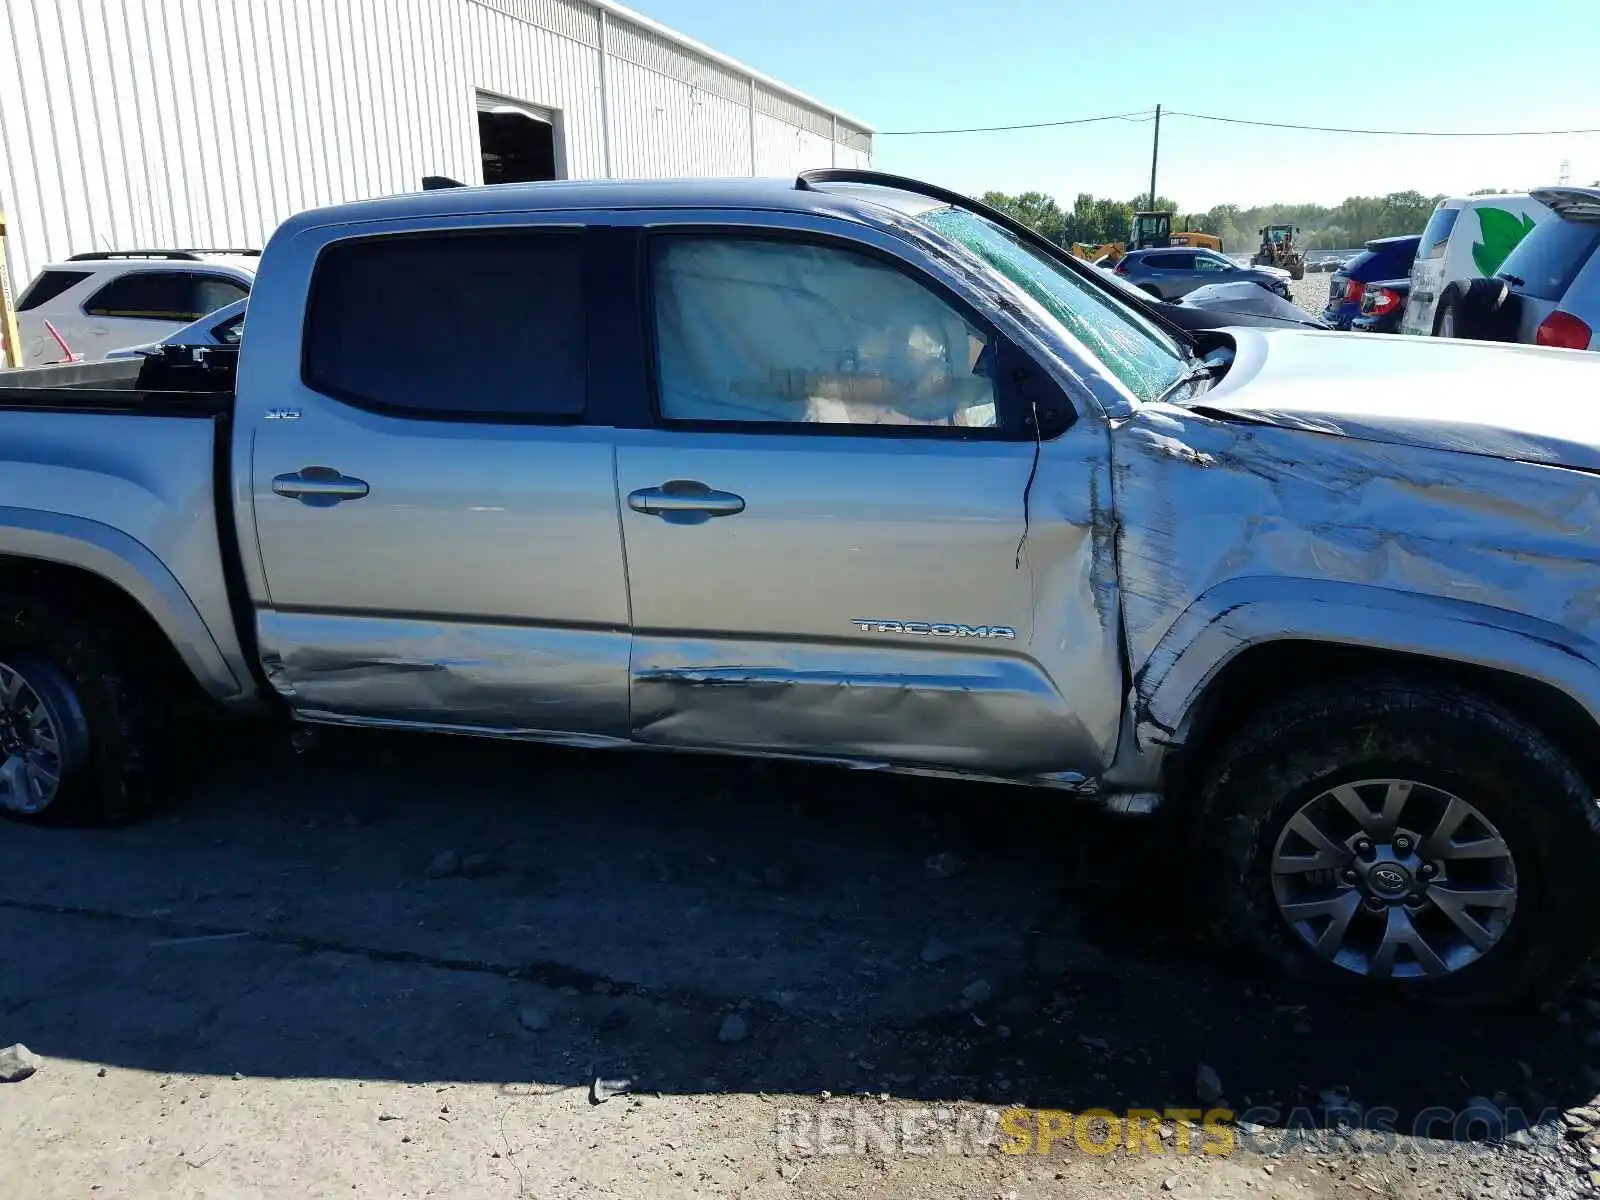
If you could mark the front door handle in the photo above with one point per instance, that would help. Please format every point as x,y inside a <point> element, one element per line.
<point>684,502</point>
<point>319,487</point>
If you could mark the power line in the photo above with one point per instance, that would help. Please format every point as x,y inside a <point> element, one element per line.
<point>1380,132</point>
<point>1146,115</point>
<point>1143,114</point>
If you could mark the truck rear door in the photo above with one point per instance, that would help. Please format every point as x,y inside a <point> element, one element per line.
<point>436,516</point>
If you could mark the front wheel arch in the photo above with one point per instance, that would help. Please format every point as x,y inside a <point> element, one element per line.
<point>1268,672</point>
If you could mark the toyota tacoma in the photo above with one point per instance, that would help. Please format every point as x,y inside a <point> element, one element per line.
<point>850,469</point>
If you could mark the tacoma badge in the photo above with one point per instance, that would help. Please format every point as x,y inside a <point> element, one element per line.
<point>935,629</point>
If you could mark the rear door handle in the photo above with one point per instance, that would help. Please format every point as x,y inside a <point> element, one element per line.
<point>319,487</point>
<point>684,502</point>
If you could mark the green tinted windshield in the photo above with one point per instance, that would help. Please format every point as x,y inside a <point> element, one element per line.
<point>1130,346</point>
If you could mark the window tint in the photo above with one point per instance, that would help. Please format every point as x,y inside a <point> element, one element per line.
<point>453,324</point>
<point>212,293</point>
<point>1178,261</point>
<point>755,329</point>
<point>1549,258</point>
<point>1437,232</point>
<point>48,286</point>
<point>164,296</point>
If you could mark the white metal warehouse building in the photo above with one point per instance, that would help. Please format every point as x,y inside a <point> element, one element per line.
<point>204,123</point>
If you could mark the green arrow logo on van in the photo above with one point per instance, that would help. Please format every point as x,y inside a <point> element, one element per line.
<point>1501,233</point>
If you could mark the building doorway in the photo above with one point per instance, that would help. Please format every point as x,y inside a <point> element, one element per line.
<point>518,141</point>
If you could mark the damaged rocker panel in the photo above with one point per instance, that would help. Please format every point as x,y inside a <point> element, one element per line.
<point>921,704</point>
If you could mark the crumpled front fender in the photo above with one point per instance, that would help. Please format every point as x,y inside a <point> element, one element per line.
<point>1244,612</point>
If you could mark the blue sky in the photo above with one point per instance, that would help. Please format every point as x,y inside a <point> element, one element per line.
<point>1415,64</point>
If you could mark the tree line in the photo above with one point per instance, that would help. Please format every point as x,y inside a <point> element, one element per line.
<point>1346,225</point>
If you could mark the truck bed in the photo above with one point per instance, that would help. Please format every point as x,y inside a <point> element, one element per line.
<point>143,504</point>
<point>176,384</point>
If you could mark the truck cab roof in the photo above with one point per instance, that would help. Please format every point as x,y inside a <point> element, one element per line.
<point>780,194</point>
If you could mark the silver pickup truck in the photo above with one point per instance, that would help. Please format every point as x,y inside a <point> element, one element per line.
<point>852,469</point>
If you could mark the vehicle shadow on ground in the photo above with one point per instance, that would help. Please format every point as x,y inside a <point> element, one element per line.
<point>430,909</point>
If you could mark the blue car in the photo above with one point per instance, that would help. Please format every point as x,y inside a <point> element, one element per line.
<point>1384,258</point>
<point>1383,303</point>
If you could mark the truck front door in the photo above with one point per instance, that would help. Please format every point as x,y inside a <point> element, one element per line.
<point>436,521</point>
<point>843,538</point>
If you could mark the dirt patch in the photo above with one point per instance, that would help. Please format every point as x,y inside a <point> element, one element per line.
<point>399,967</point>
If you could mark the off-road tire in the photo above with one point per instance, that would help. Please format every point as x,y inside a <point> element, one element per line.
<point>110,688</point>
<point>1440,736</point>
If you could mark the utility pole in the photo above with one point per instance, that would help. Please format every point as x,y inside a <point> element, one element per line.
<point>1155,151</point>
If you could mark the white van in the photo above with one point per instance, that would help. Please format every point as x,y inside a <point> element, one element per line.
<point>1467,238</point>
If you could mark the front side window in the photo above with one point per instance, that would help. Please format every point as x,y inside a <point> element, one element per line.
<point>1127,344</point>
<point>456,324</point>
<point>752,329</point>
<point>164,296</point>
<point>1205,262</point>
<point>213,292</point>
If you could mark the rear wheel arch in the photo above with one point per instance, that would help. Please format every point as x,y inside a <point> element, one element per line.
<point>48,544</point>
<point>92,694</point>
<point>84,591</point>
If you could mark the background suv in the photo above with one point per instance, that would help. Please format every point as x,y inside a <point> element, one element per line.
<point>1384,259</point>
<point>109,298</point>
<point>1554,272</point>
<point>1169,274</point>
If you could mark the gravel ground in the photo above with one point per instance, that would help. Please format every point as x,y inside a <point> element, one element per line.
<point>411,967</point>
<point>1311,293</point>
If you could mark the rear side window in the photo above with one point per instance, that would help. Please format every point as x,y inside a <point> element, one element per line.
<point>164,296</point>
<point>1437,232</point>
<point>1550,257</point>
<point>48,286</point>
<point>487,325</point>
<point>1179,261</point>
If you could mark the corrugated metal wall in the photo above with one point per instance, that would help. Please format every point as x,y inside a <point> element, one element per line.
<point>163,123</point>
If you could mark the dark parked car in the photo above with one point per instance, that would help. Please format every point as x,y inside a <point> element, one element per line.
<point>1383,303</point>
<point>1169,274</point>
<point>1384,258</point>
<point>1240,303</point>
<point>1220,305</point>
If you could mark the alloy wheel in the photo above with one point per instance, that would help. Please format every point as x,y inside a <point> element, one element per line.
<point>1394,879</point>
<point>39,733</point>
